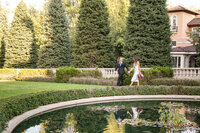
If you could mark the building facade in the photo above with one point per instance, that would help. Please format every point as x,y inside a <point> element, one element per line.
<point>182,21</point>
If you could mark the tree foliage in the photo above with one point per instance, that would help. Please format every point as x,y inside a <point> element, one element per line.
<point>93,44</point>
<point>148,33</point>
<point>38,18</point>
<point>20,42</point>
<point>55,48</point>
<point>118,12</point>
<point>72,9</point>
<point>195,40</point>
<point>3,33</point>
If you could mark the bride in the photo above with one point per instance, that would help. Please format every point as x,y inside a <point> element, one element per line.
<point>136,68</point>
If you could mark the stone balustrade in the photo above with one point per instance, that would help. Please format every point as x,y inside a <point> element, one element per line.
<point>178,72</point>
<point>190,73</point>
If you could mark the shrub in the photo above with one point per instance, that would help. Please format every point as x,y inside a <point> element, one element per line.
<point>64,73</point>
<point>35,72</point>
<point>27,74</point>
<point>36,75</point>
<point>92,81</point>
<point>170,82</point>
<point>8,74</point>
<point>13,106</point>
<point>91,73</point>
<point>165,71</point>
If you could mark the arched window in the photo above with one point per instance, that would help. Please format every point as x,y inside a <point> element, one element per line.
<point>174,23</point>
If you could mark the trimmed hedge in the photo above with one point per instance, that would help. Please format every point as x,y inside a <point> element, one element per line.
<point>8,74</point>
<point>64,73</point>
<point>36,75</point>
<point>17,105</point>
<point>150,74</point>
<point>27,75</point>
<point>90,73</point>
<point>171,81</point>
<point>92,81</point>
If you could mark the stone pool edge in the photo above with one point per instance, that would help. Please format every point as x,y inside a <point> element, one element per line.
<point>13,123</point>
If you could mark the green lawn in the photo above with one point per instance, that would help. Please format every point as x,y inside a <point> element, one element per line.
<point>13,88</point>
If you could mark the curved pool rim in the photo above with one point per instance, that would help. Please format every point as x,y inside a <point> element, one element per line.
<point>13,123</point>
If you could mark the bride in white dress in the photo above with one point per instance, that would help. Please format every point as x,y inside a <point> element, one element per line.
<point>136,68</point>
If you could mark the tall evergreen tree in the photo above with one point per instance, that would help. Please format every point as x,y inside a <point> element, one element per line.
<point>93,47</point>
<point>3,33</point>
<point>55,48</point>
<point>20,41</point>
<point>148,33</point>
<point>2,47</point>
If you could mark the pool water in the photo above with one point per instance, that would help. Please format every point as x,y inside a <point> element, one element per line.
<point>121,117</point>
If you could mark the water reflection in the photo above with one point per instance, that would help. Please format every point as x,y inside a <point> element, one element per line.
<point>127,117</point>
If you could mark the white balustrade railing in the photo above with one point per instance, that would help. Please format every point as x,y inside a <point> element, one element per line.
<point>178,72</point>
<point>106,72</point>
<point>186,72</point>
<point>110,72</point>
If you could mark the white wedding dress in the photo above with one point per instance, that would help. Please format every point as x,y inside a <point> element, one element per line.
<point>136,73</point>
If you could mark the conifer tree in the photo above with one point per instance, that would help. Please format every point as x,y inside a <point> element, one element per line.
<point>3,33</point>
<point>20,41</point>
<point>93,45</point>
<point>55,49</point>
<point>2,51</point>
<point>148,33</point>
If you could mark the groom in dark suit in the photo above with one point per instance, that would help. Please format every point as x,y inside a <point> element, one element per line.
<point>120,67</point>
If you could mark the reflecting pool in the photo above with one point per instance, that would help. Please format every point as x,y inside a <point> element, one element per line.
<point>121,117</point>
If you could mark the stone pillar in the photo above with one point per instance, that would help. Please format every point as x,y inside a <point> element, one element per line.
<point>187,61</point>
<point>182,61</point>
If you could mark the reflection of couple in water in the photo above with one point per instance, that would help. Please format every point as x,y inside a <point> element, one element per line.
<point>136,113</point>
<point>120,115</point>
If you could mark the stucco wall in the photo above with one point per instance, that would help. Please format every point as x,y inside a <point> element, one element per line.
<point>181,37</point>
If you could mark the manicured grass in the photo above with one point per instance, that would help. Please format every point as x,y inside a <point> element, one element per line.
<point>13,88</point>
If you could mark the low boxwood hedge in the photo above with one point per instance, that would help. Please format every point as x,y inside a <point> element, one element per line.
<point>8,74</point>
<point>27,74</point>
<point>172,81</point>
<point>17,105</point>
<point>91,73</point>
<point>63,74</point>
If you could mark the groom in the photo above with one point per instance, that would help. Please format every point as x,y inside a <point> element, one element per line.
<point>120,67</point>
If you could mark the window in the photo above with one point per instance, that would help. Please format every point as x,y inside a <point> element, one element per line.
<point>174,27</point>
<point>177,62</point>
<point>173,43</point>
<point>196,31</point>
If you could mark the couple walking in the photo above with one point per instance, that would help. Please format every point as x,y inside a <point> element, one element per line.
<point>121,65</point>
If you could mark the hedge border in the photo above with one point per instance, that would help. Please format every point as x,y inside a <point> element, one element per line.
<point>14,106</point>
